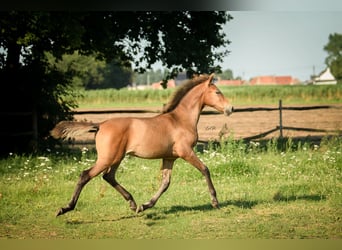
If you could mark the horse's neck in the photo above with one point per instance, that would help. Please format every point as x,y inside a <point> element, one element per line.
<point>189,108</point>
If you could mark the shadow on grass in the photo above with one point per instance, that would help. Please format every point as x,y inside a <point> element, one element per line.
<point>207,207</point>
<point>246,204</point>
<point>82,222</point>
<point>159,215</point>
<point>313,197</point>
<point>172,210</point>
<point>289,193</point>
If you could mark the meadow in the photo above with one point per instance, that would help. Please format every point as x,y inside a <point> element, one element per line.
<point>276,189</point>
<point>272,189</point>
<point>239,95</point>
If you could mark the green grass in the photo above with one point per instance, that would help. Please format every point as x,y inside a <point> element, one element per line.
<point>273,189</point>
<point>123,97</point>
<point>239,95</point>
<point>296,94</point>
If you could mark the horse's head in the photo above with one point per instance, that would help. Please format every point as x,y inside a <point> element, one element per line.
<point>213,97</point>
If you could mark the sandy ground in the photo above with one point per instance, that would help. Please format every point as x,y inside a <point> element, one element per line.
<point>246,124</point>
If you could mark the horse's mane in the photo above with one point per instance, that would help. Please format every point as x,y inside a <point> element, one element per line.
<point>182,91</point>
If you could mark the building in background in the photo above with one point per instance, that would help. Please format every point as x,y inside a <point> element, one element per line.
<point>273,80</point>
<point>324,78</point>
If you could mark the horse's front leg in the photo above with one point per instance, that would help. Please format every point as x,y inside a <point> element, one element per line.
<point>192,158</point>
<point>166,168</point>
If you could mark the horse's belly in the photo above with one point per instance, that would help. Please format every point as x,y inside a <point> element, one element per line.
<point>150,150</point>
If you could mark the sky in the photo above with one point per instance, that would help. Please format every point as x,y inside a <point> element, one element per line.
<point>279,42</point>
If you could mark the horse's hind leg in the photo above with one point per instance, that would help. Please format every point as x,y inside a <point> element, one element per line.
<point>83,180</point>
<point>85,177</point>
<point>110,178</point>
<point>166,171</point>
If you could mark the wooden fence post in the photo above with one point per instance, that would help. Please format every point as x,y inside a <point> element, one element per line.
<point>281,118</point>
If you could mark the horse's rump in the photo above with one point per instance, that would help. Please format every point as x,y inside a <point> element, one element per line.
<point>70,129</point>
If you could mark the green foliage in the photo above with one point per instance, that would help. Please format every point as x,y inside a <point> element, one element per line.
<point>238,95</point>
<point>226,75</point>
<point>149,76</point>
<point>297,94</point>
<point>179,40</point>
<point>184,32</point>
<point>122,97</point>
<point>91,73</point>
<point>334,59</point>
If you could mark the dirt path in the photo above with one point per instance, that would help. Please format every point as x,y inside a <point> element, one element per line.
<point>246,124</point>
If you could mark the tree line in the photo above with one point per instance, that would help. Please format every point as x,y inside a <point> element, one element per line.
<point>45,56</point>
<point>92,73</point>
<point>37,91</point>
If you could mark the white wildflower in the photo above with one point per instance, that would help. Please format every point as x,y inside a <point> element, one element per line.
<point>84,150</point>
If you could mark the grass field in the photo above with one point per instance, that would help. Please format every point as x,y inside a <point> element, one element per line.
<point>239,95</point>
<point>270,190</point>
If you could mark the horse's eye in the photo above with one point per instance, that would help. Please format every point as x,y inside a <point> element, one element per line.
<point>218,92</point>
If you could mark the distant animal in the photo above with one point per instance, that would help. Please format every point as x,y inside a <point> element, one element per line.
<point>167,136</point>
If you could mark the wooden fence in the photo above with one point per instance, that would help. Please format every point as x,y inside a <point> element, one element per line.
<point>33,132</point>
<point>280,127</point>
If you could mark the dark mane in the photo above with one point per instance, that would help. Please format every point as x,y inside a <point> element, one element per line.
<point>182,91</point>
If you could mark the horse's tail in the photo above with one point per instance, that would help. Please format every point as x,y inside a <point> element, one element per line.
<point>70,129</point>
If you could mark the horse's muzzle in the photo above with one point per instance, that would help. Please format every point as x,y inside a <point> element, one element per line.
<point>229,109</point>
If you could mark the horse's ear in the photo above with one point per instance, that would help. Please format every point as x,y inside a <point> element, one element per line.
<point>211,79</point>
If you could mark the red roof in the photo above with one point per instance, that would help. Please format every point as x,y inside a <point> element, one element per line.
<point>273,80</point>
<point>230,82</point>
<point>170,84</point>
<point>283,80</point>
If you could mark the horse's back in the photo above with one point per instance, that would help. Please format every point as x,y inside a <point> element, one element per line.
<point>141,137</point>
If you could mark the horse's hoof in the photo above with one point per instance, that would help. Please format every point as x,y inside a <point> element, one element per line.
<point>63,210</point>
<point>60,212</point>
<point>133,206</point>
<point>215,205</point>
<point>139,209</point>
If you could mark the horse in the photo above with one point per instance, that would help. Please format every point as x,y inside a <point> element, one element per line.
<point>170,135</point>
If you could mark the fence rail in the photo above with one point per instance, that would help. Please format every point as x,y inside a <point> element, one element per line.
<point>284,108</point>
<point>34,131</point>
<point>204,112</point>
<point>279,127</point>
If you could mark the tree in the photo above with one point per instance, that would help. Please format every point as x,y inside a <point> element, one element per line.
<point>149,76</point>
<point>88,72</point>
<point>179,40</point>
<point>334,59</point>
<point>226,74</point>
